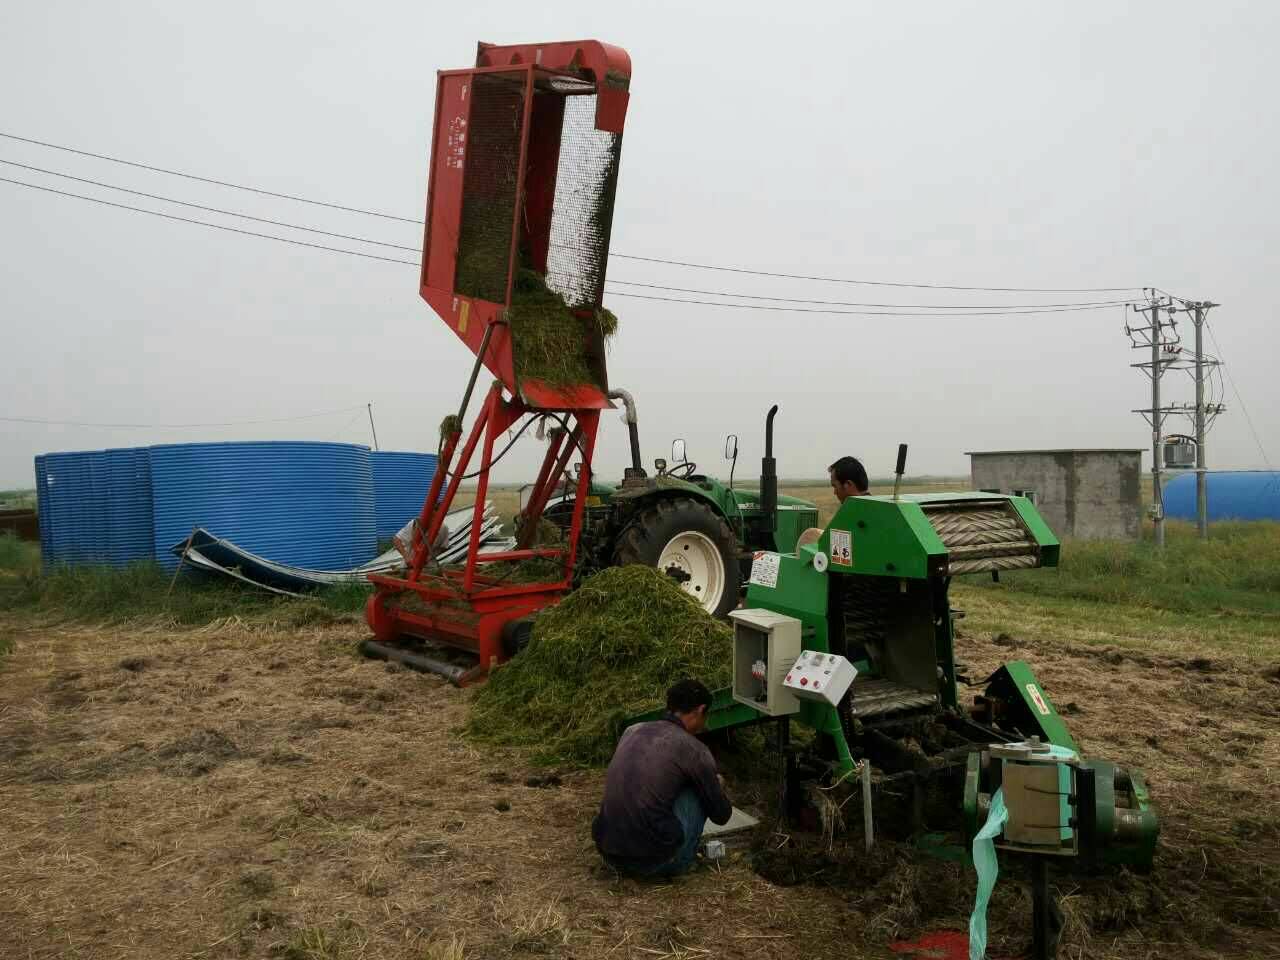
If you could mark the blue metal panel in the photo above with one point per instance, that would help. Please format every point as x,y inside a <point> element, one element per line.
<point>304,504</point>
<point>1231,495</point>
<point>44,515</point>
<point>95,507</point>
<point>75,503</point>
<point>128,511</point>
<point>401,482</point>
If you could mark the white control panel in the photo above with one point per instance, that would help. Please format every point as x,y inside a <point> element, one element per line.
<point>820,676</point>
<point>765,644</point>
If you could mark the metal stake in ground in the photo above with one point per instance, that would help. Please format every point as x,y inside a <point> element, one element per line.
<point>182,558</point>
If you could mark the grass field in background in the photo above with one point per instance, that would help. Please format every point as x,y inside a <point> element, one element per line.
<point>17,499</point>
<point>1224,592</point>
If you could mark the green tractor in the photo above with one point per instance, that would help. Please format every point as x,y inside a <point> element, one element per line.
<point>700,531</point>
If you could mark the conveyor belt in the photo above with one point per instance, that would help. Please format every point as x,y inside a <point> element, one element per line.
<point>871,698</point>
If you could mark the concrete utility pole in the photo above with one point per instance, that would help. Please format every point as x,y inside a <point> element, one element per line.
<point>1156,339</point>
<point>1163,354</point>
<point>1198,312</point>
<point>1202,506</point>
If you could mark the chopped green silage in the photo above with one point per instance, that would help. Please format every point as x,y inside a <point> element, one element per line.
<point>548,338</point>
<point>607,651</point>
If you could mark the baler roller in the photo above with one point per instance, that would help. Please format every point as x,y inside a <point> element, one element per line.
<point>979,550</point>
<point>982,536</point>
<point>967,538</point>
<point>1021,562</point>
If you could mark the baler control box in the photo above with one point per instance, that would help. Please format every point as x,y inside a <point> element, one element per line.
<point>824,677</point>
<point>765,646</point>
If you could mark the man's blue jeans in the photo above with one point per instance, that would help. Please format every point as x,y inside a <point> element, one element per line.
<point>688,810</point>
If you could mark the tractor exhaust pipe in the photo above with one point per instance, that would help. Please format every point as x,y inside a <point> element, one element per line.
<point>769,476</point>
<point>636,470</point>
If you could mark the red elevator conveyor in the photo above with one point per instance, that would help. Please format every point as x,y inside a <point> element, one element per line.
<point>523,175</point>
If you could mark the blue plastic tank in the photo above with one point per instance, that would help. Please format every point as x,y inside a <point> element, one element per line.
<point>1231,495</point>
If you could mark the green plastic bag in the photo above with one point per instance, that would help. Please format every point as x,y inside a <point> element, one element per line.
<point>984,861</point>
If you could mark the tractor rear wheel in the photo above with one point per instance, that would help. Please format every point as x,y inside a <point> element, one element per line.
<point>692,544</point>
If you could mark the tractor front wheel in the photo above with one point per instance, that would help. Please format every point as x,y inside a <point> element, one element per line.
<point>692,544</point>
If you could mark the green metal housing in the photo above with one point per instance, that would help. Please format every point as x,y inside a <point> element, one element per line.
<point>893,552</point>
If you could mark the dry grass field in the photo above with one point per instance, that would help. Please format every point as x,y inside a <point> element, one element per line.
<point>221,776</point>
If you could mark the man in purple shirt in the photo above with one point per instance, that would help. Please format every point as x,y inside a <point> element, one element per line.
<point>660,788</point>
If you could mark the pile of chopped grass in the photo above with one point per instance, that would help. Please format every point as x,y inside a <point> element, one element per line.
<point>608,651</point>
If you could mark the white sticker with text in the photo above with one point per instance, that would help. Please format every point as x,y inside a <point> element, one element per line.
<point>764,569</point>
<point>842,548</point>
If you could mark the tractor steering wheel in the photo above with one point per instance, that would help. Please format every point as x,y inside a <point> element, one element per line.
<point>683,471</point>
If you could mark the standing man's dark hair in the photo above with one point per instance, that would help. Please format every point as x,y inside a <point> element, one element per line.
<point>686,696</point>
<point>848,478</point>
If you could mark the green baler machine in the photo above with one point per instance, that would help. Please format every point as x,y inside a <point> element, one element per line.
<point>873,588</point>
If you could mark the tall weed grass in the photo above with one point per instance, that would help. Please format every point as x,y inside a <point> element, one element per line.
<point>1235,572</point>
<point>103,594</point>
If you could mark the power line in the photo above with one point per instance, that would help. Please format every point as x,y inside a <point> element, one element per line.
<point>218,183</point>
<point>856,313</point>
<point>198,206</point>
<point>178,426</point>
<point>872,283</point>
<point>206,223</point>
<point>622,256</point>
<point>1239,399</point>
<point>848,303</point>
<point>709,303</point>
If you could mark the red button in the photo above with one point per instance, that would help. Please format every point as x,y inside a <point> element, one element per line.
<point>816,684</point>
<point>804,681</point>
<point>788,678</point>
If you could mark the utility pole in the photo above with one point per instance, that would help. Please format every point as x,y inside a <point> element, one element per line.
<point>1202,506</point>
<point>1154,368</point>
<point>1198,311</point>
<point>1165,355</point>
<point>1156,419</point>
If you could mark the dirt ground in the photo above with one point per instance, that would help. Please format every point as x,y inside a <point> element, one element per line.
<point>244,791</point>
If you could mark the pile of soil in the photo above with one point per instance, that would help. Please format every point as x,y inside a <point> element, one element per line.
<point>608,651</point>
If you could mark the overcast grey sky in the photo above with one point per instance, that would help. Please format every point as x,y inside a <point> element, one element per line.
<point>970,143</point>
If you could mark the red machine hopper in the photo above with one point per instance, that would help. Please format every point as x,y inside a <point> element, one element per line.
<point>524,166</point>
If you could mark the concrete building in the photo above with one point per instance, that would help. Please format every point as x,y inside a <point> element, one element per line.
<point>1090,494</point>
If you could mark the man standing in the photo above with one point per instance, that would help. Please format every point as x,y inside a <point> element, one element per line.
<point>848,478</point>
<point>660,789</point>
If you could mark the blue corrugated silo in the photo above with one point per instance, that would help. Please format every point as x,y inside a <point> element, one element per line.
<point>401,481</point>
<point>308,504</point>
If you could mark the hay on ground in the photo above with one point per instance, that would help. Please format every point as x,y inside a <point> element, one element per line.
<point>607,651</point>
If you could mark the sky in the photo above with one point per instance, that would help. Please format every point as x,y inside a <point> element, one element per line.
<point>987,144</point>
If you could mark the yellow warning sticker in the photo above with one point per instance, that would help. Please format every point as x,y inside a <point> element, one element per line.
<point>462,316</point>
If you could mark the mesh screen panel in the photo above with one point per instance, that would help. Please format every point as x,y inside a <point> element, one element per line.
<point>585,186</point>
<point>489,185</point>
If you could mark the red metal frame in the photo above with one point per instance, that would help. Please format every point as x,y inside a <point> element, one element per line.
<point>467,608</point>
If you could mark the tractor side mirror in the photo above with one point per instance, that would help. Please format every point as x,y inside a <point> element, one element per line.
<point>678,452</point>
<point>731,447</point>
